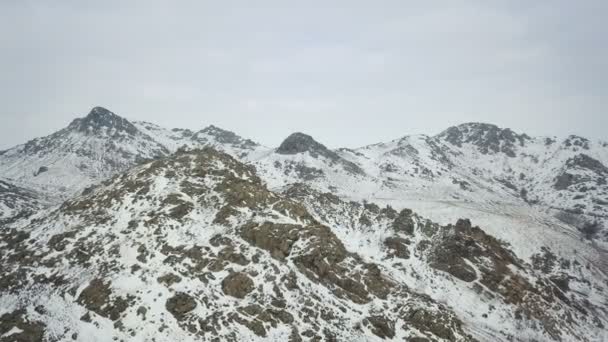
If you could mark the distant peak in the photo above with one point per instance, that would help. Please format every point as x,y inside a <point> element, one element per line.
<point>98,110</point>
<point>223,136</point>
<point>101,118</point>
<point>299,143</point>
<point>475,127</point>
<point>102,115</point>
<point>215,130</point>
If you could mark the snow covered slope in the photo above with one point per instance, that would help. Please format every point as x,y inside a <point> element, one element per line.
<point>17,202</point>
<point>195,247</point>
<point>95,147</point>
<point>468,165</point>
<point>400,212</point>
<point>210,136</point>
<point>89,150</point>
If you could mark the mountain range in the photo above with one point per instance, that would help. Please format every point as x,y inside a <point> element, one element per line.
<point>119,230</point>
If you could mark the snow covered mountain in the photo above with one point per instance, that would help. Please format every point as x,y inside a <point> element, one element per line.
<point>89,150</point>
<point>471,164</point>
<point>202,234</point>
<point>194,246</point>
<point>93,148</point>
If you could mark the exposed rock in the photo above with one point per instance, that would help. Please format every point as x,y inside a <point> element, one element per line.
<point>180,304</point>
<point>464,244</point>
<point>404,222</point>
<point>41,170</point>
<point>300,143</point>
<point>545,261</point>
<point>439,324</point>
<point>584,161</point>
<point>169,279</point>
<point>237,285</point>
<point>97,297</point>
<point>15,327</point>
<point>397,247</point>
<point>382,327</point>
<point>99,118</point>
<point>488,138</point>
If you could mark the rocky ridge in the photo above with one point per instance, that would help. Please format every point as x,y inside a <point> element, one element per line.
<point>194,246</point>
<point>335,220</point>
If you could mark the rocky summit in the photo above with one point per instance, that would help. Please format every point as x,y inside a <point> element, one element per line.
<point>99,119</point>
<point>113,230</point>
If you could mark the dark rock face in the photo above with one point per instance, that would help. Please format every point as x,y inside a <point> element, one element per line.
<point>30,331</point>
<point>595,171</point>
<point>42,169</point>
<point>564,180</point>
<point>275,238</point>
<point>382,327</point>
<point>576,141</point>
<point>100,118</point>
<point>404,222</point>
<point>325,259</point>
<point>488,138</point>
<point>465,244</point>
<point>169,279</point>
<point>300,143</point>
<point>180,304</point>
<point>97,297</point>
<point>440,325</point>
<point>237,285</point>
<point>397,247</point>
<point>583,161</point>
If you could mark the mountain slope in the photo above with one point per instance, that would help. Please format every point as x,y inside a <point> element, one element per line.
<point>302,242</point>
<point>477,164</point>
<point>89,150</point>
<point>17,202</point>
<point>210,136</point>
<point>194,246</point>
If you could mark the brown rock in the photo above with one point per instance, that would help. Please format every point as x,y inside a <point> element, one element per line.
<point>180,304</point>
<point>404,222</point>
<point>397,247</point>
<point>237,285</point>
<point>381,326</point>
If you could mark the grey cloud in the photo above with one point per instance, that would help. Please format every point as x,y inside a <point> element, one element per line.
<point>349,73</point>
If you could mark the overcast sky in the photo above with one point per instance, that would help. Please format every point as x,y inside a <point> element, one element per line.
<point>350,73</point>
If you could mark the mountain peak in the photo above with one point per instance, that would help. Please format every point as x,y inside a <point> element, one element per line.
<point>223,136</point>
<point>299,142</point>
<point>101,118</point>
<point>488,138</point>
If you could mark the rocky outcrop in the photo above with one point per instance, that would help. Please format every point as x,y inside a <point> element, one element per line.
<point>180,304</point>
<point>237,285</point>
<point>15,327</point>
<point>301,143</point>
<point>486,137</point>
<point>99,119</point>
